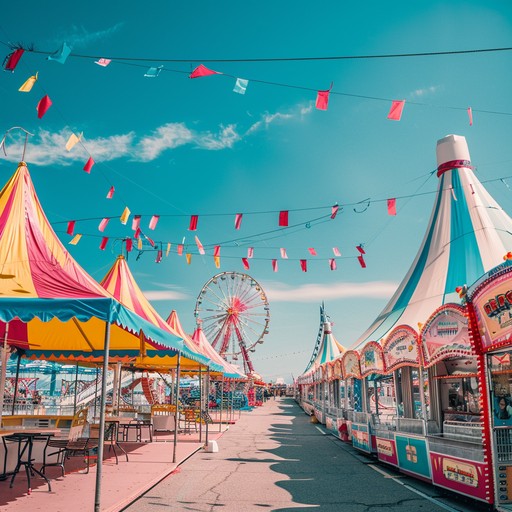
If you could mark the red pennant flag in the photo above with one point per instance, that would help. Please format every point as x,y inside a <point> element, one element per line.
<point>158,256</point>
<point>304,265</point>
<point>283,253</point>
<point>103,224</point>
<point>13,59</point>
<point>136,235</point>
<point>136,223</point>
<point>334,211</point>
<point>238,220</point>
<point>470,115</point>
<point>360,249</point>
<point>391,206</point>
<point>151,242</point>
<point>110,194</point>
<point>103,244</point>
<point>42,107</point>
<point>274,265</point>
<point>154,221</point>
<point>312,251</point>
<point>245,261</point>
<point>203,71</point>
<point>129,245</point>
<point>71,227</point>
<point>193,222</point>
<point>216,251</point>
<point>250,252</point>
<point>283,218</point>
<point>336,251</point>
<point>361,261</point>
<point>88,165</point>
<point>395,112</point>
<point>332,264</point>
<point>180,249</point>
<point>322,99</point>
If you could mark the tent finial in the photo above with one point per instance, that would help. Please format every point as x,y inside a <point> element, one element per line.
<point>27,133</point>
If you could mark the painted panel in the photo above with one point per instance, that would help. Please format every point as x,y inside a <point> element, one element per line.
<point>459,475</point>
<point>350,363</point>
<point>386,451</point>
<point>446,335</point>
<point>401,348</point>
<point>361,437</point>
<point>412,455</point>
<point>371,359</point>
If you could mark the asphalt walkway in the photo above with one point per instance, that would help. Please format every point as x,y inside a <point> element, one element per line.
<point>275,459</point>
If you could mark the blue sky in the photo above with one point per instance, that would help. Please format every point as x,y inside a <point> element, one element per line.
<point>173,147</point>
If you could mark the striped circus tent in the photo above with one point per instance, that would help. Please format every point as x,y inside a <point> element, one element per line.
<point>119,281</point>
<point>468,234</point>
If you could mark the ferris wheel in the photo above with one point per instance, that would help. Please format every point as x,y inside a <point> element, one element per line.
<point>234,312</point>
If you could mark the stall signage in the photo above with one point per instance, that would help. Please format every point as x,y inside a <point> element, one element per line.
<point>494,313</point>
<point>371,359</point>
<point>400,347</point>
<point>446,335</point>
<point>463,476</point>
<point>386,451</point>
<point>351,365</point>
<point>413,455</point>
<point>360,437</point>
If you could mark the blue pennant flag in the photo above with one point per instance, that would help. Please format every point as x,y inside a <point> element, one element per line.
<point>60,55</point>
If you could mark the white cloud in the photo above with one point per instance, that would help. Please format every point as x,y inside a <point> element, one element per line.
<point>79,36</point>
<point>418,93</point>
<point>317,292</point>
<point>168,136</point>
<point>156,295</point>
<point>225,139</point>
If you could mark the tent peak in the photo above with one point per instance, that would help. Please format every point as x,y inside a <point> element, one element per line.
<point>452,152</point>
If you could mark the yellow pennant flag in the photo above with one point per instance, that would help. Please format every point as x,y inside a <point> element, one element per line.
<point>125,215</point>
<point>189,258</point>
<point>75,240</point>
<point>27,86</point>
<point>73,141</point>
<point>168,249</point>
<point>139,244</point>
<point>216,259</point>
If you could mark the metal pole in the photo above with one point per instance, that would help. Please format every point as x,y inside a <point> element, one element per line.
<point>176,413</point>
<point>96,391</point>
<point>207,401</point>
<point>101,434</point>
<point>200,405</point>
<point>76,382</point>
<point>18,362</point>
<point>221,402</point>
<point>3,371</point>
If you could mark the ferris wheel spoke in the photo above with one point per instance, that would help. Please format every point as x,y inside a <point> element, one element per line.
<point>224,302</point>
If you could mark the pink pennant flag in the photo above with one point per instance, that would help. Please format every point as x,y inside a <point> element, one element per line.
<point>312,251</point>
<point>238,220</point>
<point>203,71</point>
<point>13,59</point>
<point>103,62</point>
<point>88,165</point>
<point>168,249</point>
<point>245,261</point>
<point>136,222</point>
<point>71,227</point>
<point>110,194</point>
<point>193,222</point>
<point>136,235</point>
<point>336,251</point>
<point>216,260</point>
<point>129,245</point>
<point>250,252</point>
<point>304,265</point>
<point>151,242</point>
<point>283,218</point>
<point>322,99</point>
<point>332,264</point>
<point>158,256</point>
<point>216,251</point>
<point>103,244</point>
<point>274,265</point>
<point>360,249</point>
<point>395,112</point>
<point>391,206</point>
<point>103,224</point>
<point>470,115</point>
<point>200,247</point>
<point>154,221</point>
<point>283,253</point>
<point>361,261</point>
<point>180,249</point>
<point>334,211</point>
<point>42,107</point>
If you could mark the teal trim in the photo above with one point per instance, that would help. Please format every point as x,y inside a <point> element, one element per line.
<point>413,455</point>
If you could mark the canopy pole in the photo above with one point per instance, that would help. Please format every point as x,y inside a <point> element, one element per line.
<point>176,413</point>
<point>76,382</point>
<point>18,362</point>
<point>101,433</point>
<point>3,371</point>
<point>207,401</point>
<point>96,391</point>
<point>201,405</point>
<point>221,402</point>
<point>115,389</point>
